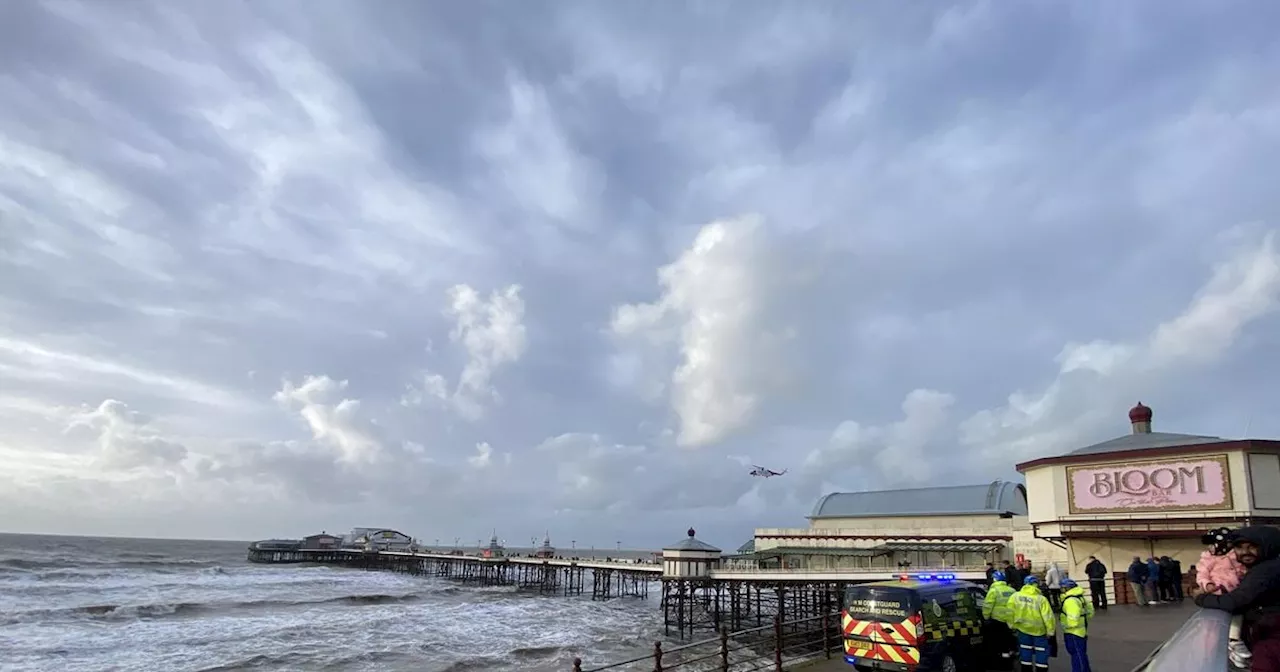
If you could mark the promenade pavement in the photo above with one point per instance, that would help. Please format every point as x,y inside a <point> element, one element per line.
<point>1119,638</point>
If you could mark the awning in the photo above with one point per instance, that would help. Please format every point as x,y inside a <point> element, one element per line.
<point>940,548</point>
<point>801,550</point>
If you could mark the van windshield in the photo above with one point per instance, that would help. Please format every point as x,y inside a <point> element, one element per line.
<point>890,603</point>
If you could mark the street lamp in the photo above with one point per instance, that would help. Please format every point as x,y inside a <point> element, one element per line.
<point>619,545</point>
<point>573,544</point>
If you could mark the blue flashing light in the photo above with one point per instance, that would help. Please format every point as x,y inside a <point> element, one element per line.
<point>935,577</point>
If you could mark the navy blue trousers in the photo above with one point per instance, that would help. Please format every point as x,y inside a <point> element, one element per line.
<point>1033,650</point>
<point>1078,647</point>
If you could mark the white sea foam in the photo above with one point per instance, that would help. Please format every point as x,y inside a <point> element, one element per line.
<point>154,605</point>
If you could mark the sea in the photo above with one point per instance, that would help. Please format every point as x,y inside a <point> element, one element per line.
<point>71,604</point>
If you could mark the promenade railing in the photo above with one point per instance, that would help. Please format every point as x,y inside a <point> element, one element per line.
<point>1200,645</point>
<point>770,647</point>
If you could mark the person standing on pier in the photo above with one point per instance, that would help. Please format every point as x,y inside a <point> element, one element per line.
<point>1053,581</point>
<point>1137,576</point>
<point>1032,618</point>
<point>996,611</point>
<point>1097,573</point>
<point>1076,614</point>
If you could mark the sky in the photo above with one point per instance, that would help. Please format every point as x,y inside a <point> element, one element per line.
<point>464,269</point>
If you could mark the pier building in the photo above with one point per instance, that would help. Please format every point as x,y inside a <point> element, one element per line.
<point>546,550</point>
<point>321,541</point>
<point>1145,494</point>
<point>955,527</point>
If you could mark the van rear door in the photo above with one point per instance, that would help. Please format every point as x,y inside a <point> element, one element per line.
<point>882,623</point>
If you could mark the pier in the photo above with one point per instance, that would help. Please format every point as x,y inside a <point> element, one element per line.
<point>549,576</point>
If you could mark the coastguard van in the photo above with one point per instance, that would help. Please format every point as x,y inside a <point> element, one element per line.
<point>918,622</point>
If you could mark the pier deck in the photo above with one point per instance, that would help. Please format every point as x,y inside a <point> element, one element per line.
<point>550,576</point>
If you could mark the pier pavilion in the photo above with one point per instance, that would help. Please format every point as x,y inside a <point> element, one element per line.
<point>962,526</point>
<point>1146,494</point>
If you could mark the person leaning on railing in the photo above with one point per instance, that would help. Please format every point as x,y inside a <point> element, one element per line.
<point>1257,597</point>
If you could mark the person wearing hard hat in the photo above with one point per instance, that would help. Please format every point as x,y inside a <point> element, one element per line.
<point>995,609</point>
<point>1076,614</point>
<point>1032,618</point>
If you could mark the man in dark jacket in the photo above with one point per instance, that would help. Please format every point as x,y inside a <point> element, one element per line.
<point>1258,595</point>
<point>1097,573</point>
<point>1137,576</point>
<point>1012,576</point>
<point>1177,579</point>
<point>1165,582</point>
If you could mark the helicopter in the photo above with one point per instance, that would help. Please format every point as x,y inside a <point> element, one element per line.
<point>761,472</point>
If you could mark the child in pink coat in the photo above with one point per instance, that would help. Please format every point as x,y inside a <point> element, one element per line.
<point>1218,571</point>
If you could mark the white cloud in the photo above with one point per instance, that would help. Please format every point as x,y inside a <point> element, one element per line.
<point>492,333</point>
<point>895,455</point>
<point>715,304</point>
<point>335,423</point>
<point>1095,380</point>
<point>125,438</point>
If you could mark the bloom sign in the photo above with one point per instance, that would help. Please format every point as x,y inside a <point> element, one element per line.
<point>1195,483</point>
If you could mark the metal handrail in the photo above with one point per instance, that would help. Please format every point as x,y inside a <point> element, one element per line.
<point>767,647</point>
<point>1200,645</point>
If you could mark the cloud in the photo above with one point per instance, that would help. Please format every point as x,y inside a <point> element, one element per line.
<point>125,438</point>
<point>716,301</point>
<point>339,425</point>
<point>265,271</point>
<point>1097,378</point>
<point>492,333</point>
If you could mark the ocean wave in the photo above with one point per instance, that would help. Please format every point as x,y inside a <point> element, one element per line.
<point>538,651</point>
<point>160,610</point>
<point>48,565</point>
<point>274,661</point>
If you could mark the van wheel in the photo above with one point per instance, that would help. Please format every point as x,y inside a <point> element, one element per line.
<point>948,664</point>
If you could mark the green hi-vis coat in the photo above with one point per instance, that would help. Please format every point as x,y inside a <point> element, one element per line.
<point>996,606</point>
<point>1031,613</point>
<point>1076,612</point>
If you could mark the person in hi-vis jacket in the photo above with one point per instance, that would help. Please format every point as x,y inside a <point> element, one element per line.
<point>995,609</point>
<point>1032,618</point>
<point>1076,614</point>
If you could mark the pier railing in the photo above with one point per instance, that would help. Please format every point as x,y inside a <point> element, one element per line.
<point>1200,645</point>
<point>770,647</point>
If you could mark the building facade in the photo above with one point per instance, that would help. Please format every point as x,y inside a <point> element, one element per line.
<point>321,541</point>
<point>919,528</point>
<point>1146,494</point>
<point>379,539</point>
<point>546,550</point>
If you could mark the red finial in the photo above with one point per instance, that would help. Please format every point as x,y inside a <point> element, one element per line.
<point>691,532</point>
<point>1140,413</point>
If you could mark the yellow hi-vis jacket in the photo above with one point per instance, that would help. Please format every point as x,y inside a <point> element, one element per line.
<point>996,606</point>
<point>1076,612</point>
<point>1030,612</point>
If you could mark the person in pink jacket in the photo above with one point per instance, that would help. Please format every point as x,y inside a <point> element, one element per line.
<point>1219,572</point>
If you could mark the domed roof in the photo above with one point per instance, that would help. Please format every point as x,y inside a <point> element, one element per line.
<point>1140,413</point>
<point>997,497</point>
